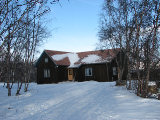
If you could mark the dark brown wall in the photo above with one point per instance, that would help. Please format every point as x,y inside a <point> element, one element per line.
<point>57,73</point>
<point>99,72</point>
<point>154,75</point>
<point>62,73</point>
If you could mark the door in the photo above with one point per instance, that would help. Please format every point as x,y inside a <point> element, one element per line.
<point>70,74</point>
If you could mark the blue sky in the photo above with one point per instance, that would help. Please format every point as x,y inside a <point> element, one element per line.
<point>73,25</point>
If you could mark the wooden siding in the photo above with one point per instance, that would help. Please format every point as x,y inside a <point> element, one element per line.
<point>154,75</point>
<point>62,73</point>
<point>57,73</point>
<point>100,72</point>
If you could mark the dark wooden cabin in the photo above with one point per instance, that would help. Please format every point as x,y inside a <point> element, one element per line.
<point>57,66</point>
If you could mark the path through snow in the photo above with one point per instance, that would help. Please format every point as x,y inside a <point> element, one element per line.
<point>77,101</point>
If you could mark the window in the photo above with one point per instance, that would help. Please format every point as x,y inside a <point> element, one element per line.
<point>46,73</point>
<point>88,72</point>
<point>46,60</point>
<point>114,71</point>
<point>70,72</point>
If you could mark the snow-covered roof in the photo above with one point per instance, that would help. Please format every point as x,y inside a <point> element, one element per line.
<point>76,59</point>
<point>75,66</point>
<point>73,57</point>
<point>91,59</point>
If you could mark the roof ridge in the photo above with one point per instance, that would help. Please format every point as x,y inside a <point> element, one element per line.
<point>83,51</point>
<point>99,50</point>
<point>57,51</point>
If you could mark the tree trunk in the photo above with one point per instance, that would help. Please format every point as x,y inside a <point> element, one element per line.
<point>19,88</point>
<point>147,80</point>
<point>120,75</point>
<point>9,89</point>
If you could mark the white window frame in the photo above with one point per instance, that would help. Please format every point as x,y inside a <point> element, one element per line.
<point>46,73</point>
<point>46,60</point>
<point>114,70</point>
<point>88,71</point>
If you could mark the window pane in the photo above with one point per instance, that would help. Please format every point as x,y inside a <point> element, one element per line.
<point>114,71</point>
<point>88,71</point>
<point>44,73</point>
<point>46,60</point>
<point>48,74</point>
<point>70,72</point>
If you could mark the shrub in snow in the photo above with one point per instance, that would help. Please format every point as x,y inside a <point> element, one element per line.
<point>120,83</point>
<point>152,88</point>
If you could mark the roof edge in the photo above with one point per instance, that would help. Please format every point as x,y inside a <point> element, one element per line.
<point>41,56</point>
<point>50,57</point>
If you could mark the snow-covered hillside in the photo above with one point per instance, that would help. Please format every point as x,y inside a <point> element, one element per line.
<point>77,101</point>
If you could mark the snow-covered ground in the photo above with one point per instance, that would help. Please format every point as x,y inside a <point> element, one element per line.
<point>77,101</point>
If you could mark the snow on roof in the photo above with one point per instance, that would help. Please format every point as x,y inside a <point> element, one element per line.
<point>75,66</point>
<point>73,57</point>
<point>76,59</point>
<point>91,59</point>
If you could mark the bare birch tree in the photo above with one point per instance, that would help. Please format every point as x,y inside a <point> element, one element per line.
<point>21,32</point>
<point>133,27</point>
